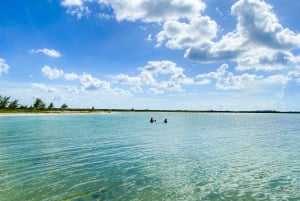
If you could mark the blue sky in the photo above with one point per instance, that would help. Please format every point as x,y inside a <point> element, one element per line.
<point>147,54</point>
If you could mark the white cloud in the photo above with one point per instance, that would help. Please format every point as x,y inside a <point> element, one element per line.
<point>267,59</point>
<point>294,75</point>
<point>88,82</point>
<point>226,80</point>
<point>104,16</point>
<point>44,87</point>
<point>169,86</point>
<point>147,78</point>
<point>156,90</point>
<point>149,37</point>
<point>3,66</point>
<point>281,80</point>
<point>71,76</point>
<point>119,91</point>
<point>230,47</point>
<point>184,27</point>
<point>155,11</point>
<point>194,32</point>
<point>259,24</point>
<point>163,75</point>
<point>204,82</point>
<point>277,79</point>
<point>125,79</point>
<point>76,7</point>
<point>79,12</point>
<point>249,83</point>
<point>73,89</point>
<point>72,2</point>
<point>162,67</point>
<point>257,29</point>
<point>136,89</point>
<point>52,73</point>
<point>48,52</point>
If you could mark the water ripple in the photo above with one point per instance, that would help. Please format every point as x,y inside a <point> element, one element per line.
<point>110,157</point>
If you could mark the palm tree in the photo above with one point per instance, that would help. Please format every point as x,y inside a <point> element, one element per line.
<point>13,104</point>
<point>51,106</point>
<point>4,101</point>
<point>64,106</point>
<point>39,104</point>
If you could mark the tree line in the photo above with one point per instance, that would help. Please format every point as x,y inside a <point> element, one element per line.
<point>13,104</point>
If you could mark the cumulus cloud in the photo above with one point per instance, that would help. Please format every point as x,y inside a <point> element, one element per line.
<point>257,28</point>
<point>184,27</point>
<point>143,10</point>
<point>259,24</point>
<point>180,35</point>
<point>3,66</point>
<point>52,73</point>
<point>160,75</point>
<point>72,2</point>
<point>73,89</point>
<point>252,83</point>
<point>155,11</point>
<point>136,89</point>
<point>226,80</point>
<point>267,59</point>
<point>88,82</point>
<point>44,87</point>
<point>48,52</point>
<point>71,76</point>
<point>230,47</point>
<point>125,79</point>
<point>162,67</point>
<point>204,82</point>
<point>277,79</point>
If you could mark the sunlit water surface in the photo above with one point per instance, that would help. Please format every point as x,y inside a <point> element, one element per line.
<point>122,156</point>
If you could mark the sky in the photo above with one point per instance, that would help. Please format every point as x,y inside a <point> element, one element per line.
<point>152,54</point>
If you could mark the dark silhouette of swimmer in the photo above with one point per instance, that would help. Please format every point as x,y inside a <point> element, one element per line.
<point>166,121</point>
<point>152,120</point>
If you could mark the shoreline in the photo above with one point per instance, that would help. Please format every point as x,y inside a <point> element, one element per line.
<point>110,111</point>
<point>49,113</point>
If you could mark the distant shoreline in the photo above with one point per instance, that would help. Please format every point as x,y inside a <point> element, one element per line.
<point>43,113</point>
<point>22,112</point>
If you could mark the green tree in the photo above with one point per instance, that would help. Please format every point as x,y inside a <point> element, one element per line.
<point>23,107</point>
<point>51,106</point>
<point>64,106</point>
<point>4,101</point>
<point>39,104</point>
<point>13,104</point>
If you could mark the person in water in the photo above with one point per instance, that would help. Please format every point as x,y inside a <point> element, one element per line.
<point>152,120</point>
<point>166,120</point>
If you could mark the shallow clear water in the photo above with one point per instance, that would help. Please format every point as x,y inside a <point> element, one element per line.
<point>122,156</point>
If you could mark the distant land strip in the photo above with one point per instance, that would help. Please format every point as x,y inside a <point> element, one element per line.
<point>8,105</point>
<point>88,110</point>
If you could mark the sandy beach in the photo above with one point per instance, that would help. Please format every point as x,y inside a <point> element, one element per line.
<point>52,113</point>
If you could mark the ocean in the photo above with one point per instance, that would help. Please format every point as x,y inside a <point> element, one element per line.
<point>122,156</point>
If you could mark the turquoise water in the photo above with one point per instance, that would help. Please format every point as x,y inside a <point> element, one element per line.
<point>122,156</point>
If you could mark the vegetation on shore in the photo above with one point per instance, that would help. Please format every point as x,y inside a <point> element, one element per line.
<point>8,105</point>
